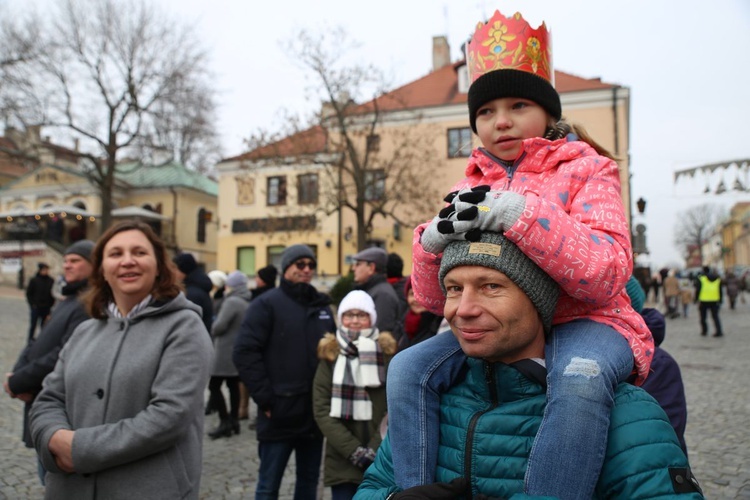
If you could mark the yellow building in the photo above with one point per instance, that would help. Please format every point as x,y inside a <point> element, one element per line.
<point>46,209</point>
<point>280,194</point>
<point>735,237</point>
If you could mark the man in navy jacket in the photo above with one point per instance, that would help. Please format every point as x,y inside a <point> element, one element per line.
<point>275,353</point>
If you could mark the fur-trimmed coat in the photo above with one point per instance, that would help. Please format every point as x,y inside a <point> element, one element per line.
<point>344,436</point>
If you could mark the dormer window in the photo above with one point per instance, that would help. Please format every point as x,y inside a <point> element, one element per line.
<point>463,79</point>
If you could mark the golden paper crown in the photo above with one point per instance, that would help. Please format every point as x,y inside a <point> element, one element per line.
<point>510,43</point>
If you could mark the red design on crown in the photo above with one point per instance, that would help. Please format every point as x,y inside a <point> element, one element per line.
<point>510,43</point>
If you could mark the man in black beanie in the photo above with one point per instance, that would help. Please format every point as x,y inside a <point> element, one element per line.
<point>197,286</point>
<point>39,357</point>
<point>40,299</point>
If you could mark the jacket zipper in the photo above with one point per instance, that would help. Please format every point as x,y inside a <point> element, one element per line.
<point>489,377</point>
<point>509,171</point>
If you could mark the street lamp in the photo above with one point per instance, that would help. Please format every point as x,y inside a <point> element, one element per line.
<point>641,204</point>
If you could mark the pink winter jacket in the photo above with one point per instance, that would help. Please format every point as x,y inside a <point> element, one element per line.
<point>573,227</point>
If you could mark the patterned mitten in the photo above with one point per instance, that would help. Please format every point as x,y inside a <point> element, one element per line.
<point>496,211</point>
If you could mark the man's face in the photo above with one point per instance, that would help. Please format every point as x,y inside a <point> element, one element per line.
<point>301,271</point>
<point>76,268</point>
<point>362,271</point>
<point>491,317</point>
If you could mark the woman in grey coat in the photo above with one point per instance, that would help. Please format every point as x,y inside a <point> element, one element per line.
<point>223,331</point>
<point>121,416</point>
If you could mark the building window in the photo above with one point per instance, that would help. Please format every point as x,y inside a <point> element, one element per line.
<point>276,192</point>
<point>463,79</point>
<point>373,143</point>
<point>273,256</point>
<point>459,142</point>
<point>374,185</point>
<point>307,189</point>
<point>246,260</point>
<point>204,217</point>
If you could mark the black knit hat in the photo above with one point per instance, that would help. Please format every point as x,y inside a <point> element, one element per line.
<point>268,275</point>
<point>494,251</point>
<point>394,267</point>
<point>512,83</point>
<point>185,263</point>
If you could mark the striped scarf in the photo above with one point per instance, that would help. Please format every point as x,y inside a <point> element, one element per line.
<point>358,366</point>
<point>114,312</point>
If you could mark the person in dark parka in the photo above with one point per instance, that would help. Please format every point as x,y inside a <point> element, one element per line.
<point>664,382</point>
<point>40,299</point>
<point>197,286</point>
<point>39,357</point>
<point>276,355</point>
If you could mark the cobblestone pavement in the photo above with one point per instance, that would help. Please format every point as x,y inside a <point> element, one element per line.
<point>714,371</point>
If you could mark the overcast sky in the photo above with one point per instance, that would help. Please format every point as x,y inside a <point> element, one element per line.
<point>686,63</point>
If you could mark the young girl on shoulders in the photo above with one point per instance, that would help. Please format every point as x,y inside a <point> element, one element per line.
<point>551,190</point>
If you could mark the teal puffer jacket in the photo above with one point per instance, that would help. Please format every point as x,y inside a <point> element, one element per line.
<point>488,423</point>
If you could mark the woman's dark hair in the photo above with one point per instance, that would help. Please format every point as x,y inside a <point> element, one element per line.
<point>562,128</point>
<point>100,295</point>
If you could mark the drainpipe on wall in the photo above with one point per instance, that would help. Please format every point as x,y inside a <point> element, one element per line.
<point>616,127</point>
<point>339,250</point>
<point>174,217</point>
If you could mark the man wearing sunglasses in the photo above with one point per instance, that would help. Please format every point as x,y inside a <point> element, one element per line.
<point>276,355</point>
<point>369,275</point>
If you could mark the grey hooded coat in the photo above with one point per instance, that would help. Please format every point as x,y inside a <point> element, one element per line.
<point>132,390</point>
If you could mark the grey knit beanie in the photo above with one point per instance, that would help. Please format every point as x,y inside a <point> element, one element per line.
<point>237,280</point>
<point>293,253</point>
<point>82,248</point>
<point>494,251</point>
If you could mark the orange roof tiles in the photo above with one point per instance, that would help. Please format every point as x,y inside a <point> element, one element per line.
<point>437,88</point>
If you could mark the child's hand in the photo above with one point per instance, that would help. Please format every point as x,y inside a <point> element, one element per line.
<point>439,232</point>
<point>433,240</point>
<point>489,211</point>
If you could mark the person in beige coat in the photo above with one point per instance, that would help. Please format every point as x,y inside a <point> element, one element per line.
<point>671,287</point>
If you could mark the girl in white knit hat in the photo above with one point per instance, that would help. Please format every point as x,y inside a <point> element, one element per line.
<point>349,392</point>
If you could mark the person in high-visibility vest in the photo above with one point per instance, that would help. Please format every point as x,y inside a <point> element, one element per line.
<point>709,297</point>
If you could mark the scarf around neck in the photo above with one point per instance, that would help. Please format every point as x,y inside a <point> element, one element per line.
<point>359,365</point>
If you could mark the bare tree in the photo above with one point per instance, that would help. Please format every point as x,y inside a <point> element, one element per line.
<point>373,170</point>
<point>109,74</point>
<point>18,46</point>
<point>696,224</point>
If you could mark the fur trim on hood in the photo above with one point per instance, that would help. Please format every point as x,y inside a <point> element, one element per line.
<point>328,348</point>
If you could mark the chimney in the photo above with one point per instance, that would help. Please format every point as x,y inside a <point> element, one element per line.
<point>76,144</point>
<point>441,52</point>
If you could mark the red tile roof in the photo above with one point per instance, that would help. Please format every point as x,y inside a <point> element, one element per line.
<point>309,141</point>
<point>437,88</point>
<point>6,143</point>
<point>440,88</point>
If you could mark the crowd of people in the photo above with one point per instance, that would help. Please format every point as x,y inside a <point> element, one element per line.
<point>474,376</point>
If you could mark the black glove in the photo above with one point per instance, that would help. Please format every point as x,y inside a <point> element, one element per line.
<point>362,457</point>
<point>436,491</point>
